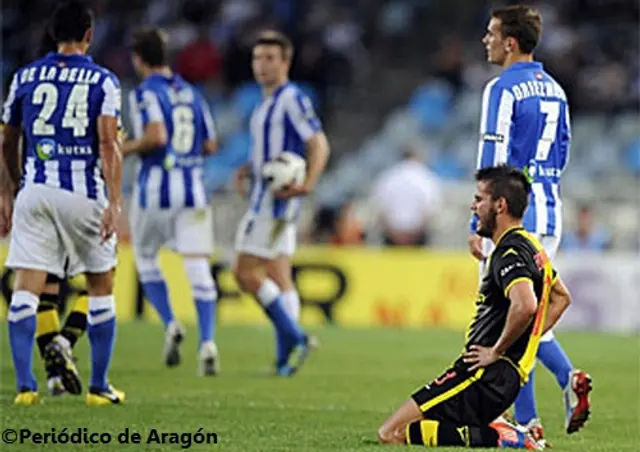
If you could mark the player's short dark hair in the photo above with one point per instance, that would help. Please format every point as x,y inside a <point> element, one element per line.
<point>275,38</point>
<point>150,44</point>
<point>70,21</point>
<point>508,183</point>
<point>522,23</point>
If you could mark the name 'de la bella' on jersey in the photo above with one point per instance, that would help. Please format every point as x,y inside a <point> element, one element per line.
<point>171,176</point>
<point>57,100</point>
<point>525,124</point>
<point>284,122</point>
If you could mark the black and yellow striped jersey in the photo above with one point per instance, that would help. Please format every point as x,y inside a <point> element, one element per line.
<point>517,256</point>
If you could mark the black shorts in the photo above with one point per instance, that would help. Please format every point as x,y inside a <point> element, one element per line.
<point>469,398</point>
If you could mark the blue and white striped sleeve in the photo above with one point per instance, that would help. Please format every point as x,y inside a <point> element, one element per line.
<point>135,115</point>
<point>495,125</point>
<point>112,97</point>
<point>495,130</point>
<point>302,116</point>
<point>11,109</point>
<point>209,125</point>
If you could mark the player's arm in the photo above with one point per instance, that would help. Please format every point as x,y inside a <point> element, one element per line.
<point>559,301</point>
<point>521,311</point>
<point>308,127</point>
<point>150,130</point>
<point>110,150</point>
<point>10,160</point>
<point>210,142</point>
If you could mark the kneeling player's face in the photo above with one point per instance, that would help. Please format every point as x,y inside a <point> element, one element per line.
<point>484,208</point>
<point>268,64</point>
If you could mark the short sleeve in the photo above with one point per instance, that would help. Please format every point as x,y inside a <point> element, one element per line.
<point>112,97</point>
<point>509,268</point>
<point>11,108</point>
<point>302,116</point>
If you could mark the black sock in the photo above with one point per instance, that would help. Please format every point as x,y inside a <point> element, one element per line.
<point>434,433</point>
<point>48,324</point>
<point>76,323</point>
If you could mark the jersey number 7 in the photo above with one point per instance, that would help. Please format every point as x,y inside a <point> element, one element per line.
<point>551,110</point>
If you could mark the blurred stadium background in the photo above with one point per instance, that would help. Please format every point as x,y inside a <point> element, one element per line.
<point>388,77</point>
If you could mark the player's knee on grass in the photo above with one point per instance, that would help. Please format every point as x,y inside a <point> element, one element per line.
<point>393,431</point>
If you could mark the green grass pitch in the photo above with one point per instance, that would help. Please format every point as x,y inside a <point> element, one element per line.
<point>349,386</point>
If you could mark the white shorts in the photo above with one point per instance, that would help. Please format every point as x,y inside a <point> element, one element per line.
<point>265,237</point>
<point>183,230</point>
<point>550,243</point>
<point>51,224</point>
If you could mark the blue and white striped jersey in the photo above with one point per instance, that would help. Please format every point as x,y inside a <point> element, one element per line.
<point>171,176</point>
<point>57,100</point>
<point>283,122</point>
<point>525,124</point>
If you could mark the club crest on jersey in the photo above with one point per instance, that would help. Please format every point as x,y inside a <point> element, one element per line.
<point>45,149</point>
<point>539,76</point>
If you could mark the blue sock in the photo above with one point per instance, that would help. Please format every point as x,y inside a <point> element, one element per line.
<point>22,332</point>
<point>102,337</point>
<point>158,295</point>
<point>525,404</point>
<point>206,319</point>
<point>556,360</point>
<point>289,332</point>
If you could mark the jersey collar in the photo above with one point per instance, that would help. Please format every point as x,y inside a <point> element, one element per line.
<point>536,65</point>
<point>506,232</point>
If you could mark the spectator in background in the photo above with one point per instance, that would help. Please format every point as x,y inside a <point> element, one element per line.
<point>347,228</point>
<point>586,237</point>
<point>200,61</point>
<point>406,199</point>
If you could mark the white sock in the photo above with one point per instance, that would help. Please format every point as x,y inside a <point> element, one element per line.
<point>268,292</point>
<point>291,302</point>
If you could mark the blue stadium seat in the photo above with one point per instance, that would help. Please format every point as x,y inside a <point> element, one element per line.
<point>246,98</point>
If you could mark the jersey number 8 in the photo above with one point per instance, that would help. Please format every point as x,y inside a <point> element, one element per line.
<point>76,114</point>
<point>183,129</point>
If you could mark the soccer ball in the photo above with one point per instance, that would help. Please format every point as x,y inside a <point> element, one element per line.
<point>286,169</point>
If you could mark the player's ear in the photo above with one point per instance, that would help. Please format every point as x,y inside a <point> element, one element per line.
<point>88,36</point>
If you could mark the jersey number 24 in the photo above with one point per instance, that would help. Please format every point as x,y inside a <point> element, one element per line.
<point>75,117</point>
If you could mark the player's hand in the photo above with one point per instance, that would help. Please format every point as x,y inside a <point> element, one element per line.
<point>109,221</point>
<point>480,356</point>
<point>475,246</point>
<point>6,213</point>
<point>292,191</point>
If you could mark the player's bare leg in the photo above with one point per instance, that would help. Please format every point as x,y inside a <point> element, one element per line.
<point>27,288</point>
<point>292,347</point>
<point>394,429</point>
<point>205,297</point>
<point>101,332</point>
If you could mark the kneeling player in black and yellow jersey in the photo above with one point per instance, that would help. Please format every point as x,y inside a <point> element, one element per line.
<point>520,298</point>
<point>55,344</point>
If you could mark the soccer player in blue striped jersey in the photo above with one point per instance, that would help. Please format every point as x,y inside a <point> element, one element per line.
<point>67,109</point>
<point>173,132</point>
<point>525,123</point>
<point>266,236</point>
